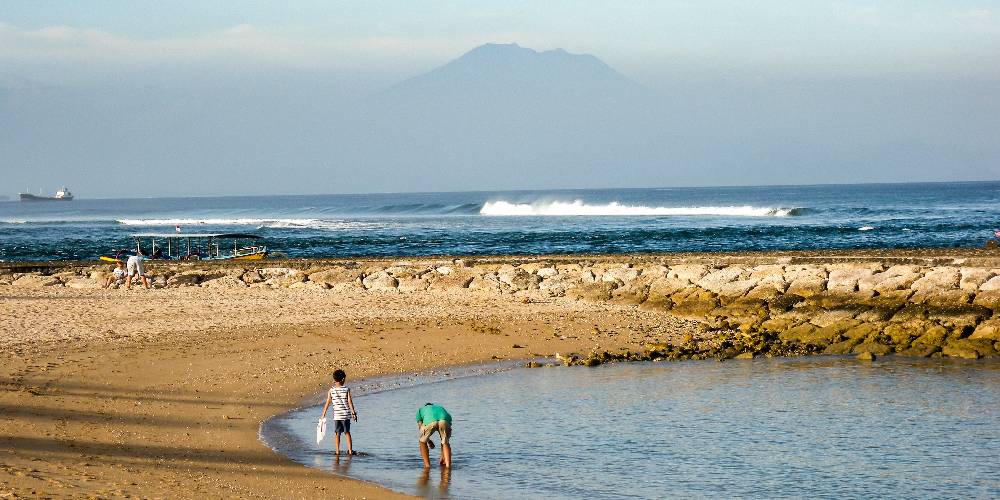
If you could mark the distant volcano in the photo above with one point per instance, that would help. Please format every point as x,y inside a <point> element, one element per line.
<point>511,71</point>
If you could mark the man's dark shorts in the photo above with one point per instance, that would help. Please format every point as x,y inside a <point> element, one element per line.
<point>341,426</point>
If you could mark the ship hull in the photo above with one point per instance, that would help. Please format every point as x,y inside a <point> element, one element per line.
<point>31,197</point>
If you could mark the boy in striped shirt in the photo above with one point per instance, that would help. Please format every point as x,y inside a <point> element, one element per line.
<point>343,409</point>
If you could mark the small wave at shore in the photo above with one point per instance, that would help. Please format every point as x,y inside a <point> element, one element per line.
<point>579,208</point>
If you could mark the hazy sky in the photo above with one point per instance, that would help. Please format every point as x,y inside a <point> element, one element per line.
<point>70,69</point>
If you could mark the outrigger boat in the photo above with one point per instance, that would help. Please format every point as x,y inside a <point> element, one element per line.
<point>195,246</point>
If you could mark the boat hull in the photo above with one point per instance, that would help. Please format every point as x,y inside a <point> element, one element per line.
<point>32,197</point>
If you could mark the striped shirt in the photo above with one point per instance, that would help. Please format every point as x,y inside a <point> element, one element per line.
<point>338,401</point>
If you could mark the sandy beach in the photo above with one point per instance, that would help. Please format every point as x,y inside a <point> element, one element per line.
<point>160,393</point>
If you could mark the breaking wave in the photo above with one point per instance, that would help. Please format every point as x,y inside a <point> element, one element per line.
<point>578,207</point>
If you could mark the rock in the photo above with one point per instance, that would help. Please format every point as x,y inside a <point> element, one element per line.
<point>224,282</point>
<point>902,334</point>
<point>765,271</point>
<point>807,286</point>
<point>864,331</point>
<point>941,298</point>
<point>252,277</point>
<point>987,330</point>
<point>456,279</point>
<point>990,285</point>
<point>633,292</point>
<point>783,302</point>
<point>830,317</point>
<point>929,335</point>
<point>519,279</point>
<point>663,288</point>
<point>745,355</point>
<point>901,282</point>
<point>879,312</point>
<point>690,273</point>
<point>797,333</point>
<point>775,281</point>
<point>956,350</point>
<point>960,347</point>
<point>186,278</point>
<point>337,276</point>
<point>212,274</point>
<point>938,279</point>
<point>487,283</point>
<point>737,288</point>
<point>714,280</point>
<point>910,312</point>
<point>547,272</point>
<point>989,299</point>
<point>36,281</point>
<point>973,278</point>
<point>693,302</point>
<point>620,275</point>
<point>594,292</point>
<point>842,347</point>
<point>873,348</point>
<point>444,270</point>
<point>380,281</point>
<point>778,324</point>
<point>763,292</point>
<point>558,284</point>
<point>281,276</point>
<point>845,280</point>
<point>959,316</point>
<point>835,300</point>
<point>866,356</point>
<point>920,351</point>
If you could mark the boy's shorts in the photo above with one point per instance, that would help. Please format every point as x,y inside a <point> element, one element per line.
<point>134,267</point>
<point>442,427</point>
<point>341,426</point>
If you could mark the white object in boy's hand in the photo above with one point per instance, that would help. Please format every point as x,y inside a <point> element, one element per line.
<point>320,430</point>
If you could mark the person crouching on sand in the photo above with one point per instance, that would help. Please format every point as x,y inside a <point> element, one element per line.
<point>433,418</point>
<point>343,410</point>
<point>117,275</point>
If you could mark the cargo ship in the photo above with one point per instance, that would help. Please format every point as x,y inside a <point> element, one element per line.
<point>61,195</point>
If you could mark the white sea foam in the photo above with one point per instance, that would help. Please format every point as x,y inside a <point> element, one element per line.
<point>213,222</point>
<point>866,228</point>
<point>578,207</point>
<point>259,223</point>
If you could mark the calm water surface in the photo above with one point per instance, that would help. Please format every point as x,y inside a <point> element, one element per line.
<point>819,427</point>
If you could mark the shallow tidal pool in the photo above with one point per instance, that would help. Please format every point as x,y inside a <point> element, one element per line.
<point>805,427</point>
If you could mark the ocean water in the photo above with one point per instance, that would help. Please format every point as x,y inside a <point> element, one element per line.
<point>769,428</point>
<point>526,222</point>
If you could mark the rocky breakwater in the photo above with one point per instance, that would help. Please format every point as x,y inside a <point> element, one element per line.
<point>762,304</point>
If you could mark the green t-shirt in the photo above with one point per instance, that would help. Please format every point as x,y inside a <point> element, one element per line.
<point>429,414</point>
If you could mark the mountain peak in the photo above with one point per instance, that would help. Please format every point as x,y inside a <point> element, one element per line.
<point>511,68</point>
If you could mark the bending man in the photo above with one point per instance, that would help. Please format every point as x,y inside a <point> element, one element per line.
<point>433,418</point>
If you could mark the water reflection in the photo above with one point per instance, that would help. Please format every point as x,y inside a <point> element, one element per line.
<point>342,466</point>
<point>426,489</point>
